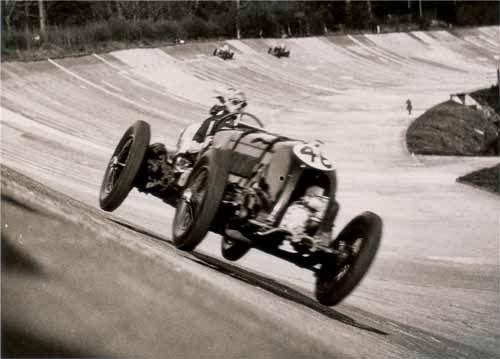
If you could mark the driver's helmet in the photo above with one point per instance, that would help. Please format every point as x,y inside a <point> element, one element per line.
<point>235,100</point>
<point>225,48</point>
<point>282,46</point>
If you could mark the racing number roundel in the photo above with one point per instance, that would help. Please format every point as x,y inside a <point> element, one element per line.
<point>312,156</point>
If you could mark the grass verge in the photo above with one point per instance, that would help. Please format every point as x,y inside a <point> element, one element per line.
<point>452,129</point>
<point>103,36</point>
<point>485,178</point>
<point>489,96</point>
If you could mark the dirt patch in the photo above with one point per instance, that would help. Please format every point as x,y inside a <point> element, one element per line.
<point>453,129</point>
<point>486,178</point>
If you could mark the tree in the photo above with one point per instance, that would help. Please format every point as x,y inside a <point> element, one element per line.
<point>238,31</point>
<point>43,18</point>
<point>357,14</point>
<point>254,17</point>
<point>282,15</point>
<point>8,8</point>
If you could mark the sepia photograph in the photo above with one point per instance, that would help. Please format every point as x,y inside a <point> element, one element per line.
<point>250,179</point>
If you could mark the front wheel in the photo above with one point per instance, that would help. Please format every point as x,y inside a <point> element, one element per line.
<point>124,166</point>
<point>233,250</point>
<point>199,202</point>
<point>337,278</point>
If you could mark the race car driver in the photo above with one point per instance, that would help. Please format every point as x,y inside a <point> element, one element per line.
<point>196,137</point>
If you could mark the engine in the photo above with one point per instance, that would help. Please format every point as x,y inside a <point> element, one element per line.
<point>304,216</point>
<point>158,171</point>
<point>247,201</point>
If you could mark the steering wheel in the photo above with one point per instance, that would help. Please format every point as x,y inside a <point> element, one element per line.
<point>245,120</point>
<point>250,120</point>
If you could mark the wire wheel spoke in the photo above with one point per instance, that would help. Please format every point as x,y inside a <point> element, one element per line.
<point>186,217</point>
<point>191,202</point>
<point>353,249</point>
<point>227,243</point>
<point>198,188</point>
<point>111,180</point>
<point>183,218</point>
<point>117,163</point>
<point>342,272</point>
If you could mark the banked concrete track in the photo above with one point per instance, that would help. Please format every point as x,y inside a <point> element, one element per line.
<point>434,288</point>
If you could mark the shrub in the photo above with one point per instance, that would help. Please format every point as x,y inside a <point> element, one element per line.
<point>450,129</point>
<point>15,40</point>
<point>135,30</point>
<point>119,29</point>
<point>167,30</point>
<point>213,29</point>
<point>424,23</point>
<point>99,32</point>
<point>194,27</point>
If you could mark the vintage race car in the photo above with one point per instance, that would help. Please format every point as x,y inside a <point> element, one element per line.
<point>279,51</point>
<point>256,189</point>
<point>223,54</point>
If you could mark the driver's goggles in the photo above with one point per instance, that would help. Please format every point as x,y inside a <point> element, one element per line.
<point>235,102</point>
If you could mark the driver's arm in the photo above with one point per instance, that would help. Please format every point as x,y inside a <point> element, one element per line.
<point>200,135</point>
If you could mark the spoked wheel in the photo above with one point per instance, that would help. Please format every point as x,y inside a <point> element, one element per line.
<point>233,250</point>
<point>338,277</point>
<point>124,166</point>
<point>190,202</point>
<point>199,202</point>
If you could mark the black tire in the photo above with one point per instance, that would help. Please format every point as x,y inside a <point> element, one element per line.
<point>335,282</point>
<point>124,166</point>
<point>233,250</point>
<point>215,52</point>
<point>199,202</point>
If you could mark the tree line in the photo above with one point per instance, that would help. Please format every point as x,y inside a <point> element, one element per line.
<point>69,23</point>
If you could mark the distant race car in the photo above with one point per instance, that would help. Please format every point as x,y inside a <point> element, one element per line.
<point>224,53</point>
<point>279,51</point>
<point>256,189</point>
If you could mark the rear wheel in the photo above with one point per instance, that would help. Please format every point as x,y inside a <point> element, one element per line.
<point>233,250</point>
<point>199,202</point>
<point>124,166</point>
<point>337,278</point>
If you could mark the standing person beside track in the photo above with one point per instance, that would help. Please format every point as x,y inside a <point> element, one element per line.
<point>409,106</point>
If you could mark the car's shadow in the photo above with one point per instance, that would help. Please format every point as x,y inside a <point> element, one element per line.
<point>22,342</point>
<point>258,280</point>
